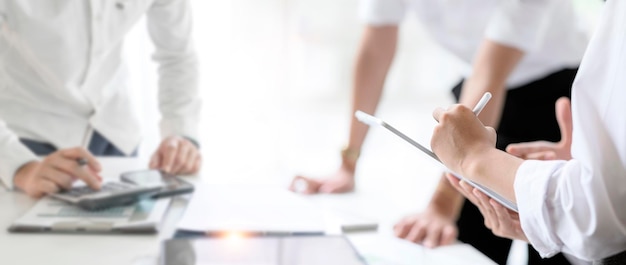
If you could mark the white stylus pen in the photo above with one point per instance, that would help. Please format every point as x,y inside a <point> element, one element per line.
<point>482,103</point>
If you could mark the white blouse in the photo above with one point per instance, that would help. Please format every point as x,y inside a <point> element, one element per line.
<point>579,206</point>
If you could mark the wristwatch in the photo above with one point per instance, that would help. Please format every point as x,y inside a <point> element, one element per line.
<point>349,154</point>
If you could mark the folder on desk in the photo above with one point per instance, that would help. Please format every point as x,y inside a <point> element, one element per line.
<point>258,210</point>
<point>53,216</point>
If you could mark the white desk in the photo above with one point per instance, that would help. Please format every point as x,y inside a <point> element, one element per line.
<point>132,249</point>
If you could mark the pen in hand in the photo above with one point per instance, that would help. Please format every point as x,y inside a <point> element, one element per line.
<point>481,103</point>
<point>82,162</point>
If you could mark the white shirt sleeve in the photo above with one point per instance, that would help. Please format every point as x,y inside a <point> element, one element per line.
<point>578,206</point>
<point>13,154</point>
<point>382,12</point>
<point>169,24</point>
<point>520,23</point>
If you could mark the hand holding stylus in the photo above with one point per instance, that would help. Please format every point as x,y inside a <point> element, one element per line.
<point>460,134</point>
<point>373,121</point>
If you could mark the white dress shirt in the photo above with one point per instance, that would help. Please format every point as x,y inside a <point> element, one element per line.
<point>62,73</point>
<point>579,206</point>
<point>547,31</point>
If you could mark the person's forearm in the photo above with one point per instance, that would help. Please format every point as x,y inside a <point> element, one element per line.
<point>378,47</point>
<point>494,169</point>
<point>447,198</point>
<point>493,65</point>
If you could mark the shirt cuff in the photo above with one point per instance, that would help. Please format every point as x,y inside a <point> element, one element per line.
<point>187,129</point>
<point>532,186</point>
<point>13,158</point>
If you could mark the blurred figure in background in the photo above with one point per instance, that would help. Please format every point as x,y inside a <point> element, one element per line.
<point>64,94</point>
<point>525,53</point>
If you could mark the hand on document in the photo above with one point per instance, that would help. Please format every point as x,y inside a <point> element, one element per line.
<point>58,171</point>
<point>500,220</point>
<point>543,150</point>
<point>432,228</point>
<point>340,182</point>
<point>177,155</point>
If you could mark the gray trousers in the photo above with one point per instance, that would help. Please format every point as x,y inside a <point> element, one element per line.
<point>98,146</point>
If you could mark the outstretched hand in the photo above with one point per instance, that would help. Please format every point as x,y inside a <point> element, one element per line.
<point>544,150</point>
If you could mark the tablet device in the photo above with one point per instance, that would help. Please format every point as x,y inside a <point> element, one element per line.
<point>170,185</point>
<point>373,121</point>
<point>266,250</point>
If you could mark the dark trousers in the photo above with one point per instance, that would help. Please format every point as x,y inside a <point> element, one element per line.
<point>617,259</point>
<point>98,146</point>
<point>528,115</point>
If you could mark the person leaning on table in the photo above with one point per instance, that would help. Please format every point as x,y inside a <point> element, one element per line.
<point>63,84</point>
<point>510,49</point>
<point>574,206</point>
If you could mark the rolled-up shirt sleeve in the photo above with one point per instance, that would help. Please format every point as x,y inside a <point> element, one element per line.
<point>569,207</point>
<point>169,24</point>
<point>13,155</point>
<point>520,23</point>
<point>382,12</point>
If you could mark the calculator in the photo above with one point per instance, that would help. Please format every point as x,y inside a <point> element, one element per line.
<point>112,193</point>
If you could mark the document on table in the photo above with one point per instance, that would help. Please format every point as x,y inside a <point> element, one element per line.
<point>250,209</point>
<point>382,249</point>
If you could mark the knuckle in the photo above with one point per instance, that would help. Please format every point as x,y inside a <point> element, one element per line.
<point>445,117</point>
<point>456,107</point>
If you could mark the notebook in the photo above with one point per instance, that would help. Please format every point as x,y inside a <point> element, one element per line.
<point>53,216</point>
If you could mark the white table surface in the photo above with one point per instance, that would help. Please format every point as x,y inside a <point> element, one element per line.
<point>144,249</point>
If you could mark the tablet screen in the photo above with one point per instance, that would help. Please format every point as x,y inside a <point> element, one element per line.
<point>227,250</point>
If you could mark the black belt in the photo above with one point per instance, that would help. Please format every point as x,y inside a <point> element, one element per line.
<point>619,258</point>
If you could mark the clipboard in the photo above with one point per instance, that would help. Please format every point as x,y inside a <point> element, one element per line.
<point>373,121</point>
<point>53,216</point>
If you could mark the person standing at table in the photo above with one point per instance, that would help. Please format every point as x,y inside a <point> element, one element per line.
<point>573,205</point>
<point>64,94</point>
<point>525,54</point>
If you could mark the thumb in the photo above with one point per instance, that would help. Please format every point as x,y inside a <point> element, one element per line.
<point>564,118</point>
<point>155,160</point>
<point>493,135</point>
